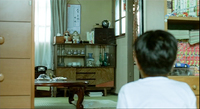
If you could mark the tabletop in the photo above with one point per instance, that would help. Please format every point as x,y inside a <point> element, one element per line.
<point>61,83</point>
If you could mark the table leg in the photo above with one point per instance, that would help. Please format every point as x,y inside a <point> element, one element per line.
<point>71,95</point>
<point>80,94</point>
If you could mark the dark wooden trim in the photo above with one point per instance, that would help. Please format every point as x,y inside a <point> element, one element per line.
<point>85,72</point>
<point>81,44</point>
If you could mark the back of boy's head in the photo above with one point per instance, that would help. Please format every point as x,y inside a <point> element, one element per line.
<point>155,52</point>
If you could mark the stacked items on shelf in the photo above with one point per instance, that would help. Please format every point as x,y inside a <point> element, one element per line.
<point>194,37</point>
<point>180,34</point>
<point>192,52</point>
<point>183,8</point>
<point>188,54</point>
<point>181,54</point>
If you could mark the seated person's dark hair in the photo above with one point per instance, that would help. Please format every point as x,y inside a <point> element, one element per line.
<point>156,52</point>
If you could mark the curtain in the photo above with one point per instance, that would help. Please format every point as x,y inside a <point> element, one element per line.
<point>58,18</point>
<point>43,42</point>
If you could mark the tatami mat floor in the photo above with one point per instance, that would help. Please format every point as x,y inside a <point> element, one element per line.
<point>62,102</point>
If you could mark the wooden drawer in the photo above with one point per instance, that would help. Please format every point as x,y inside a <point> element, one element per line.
<point>22,102</point>
<point>15,10</point>
<point>70,73</point>
<point>192,81</point>
<point>17,41</point>
<point>91,82</point>
<point>17,77</point>
<point>88,75</point>
<point>86,69</point>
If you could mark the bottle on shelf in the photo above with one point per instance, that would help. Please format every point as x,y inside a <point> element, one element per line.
<point>105,61</point>
<point>90,60</point>
<point>63,51</point>
<point>100,59</point>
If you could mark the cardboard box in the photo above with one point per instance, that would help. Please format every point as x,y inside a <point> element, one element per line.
<point>59,39</point>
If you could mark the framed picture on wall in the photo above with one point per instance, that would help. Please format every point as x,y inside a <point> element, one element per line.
<point>74,18</point>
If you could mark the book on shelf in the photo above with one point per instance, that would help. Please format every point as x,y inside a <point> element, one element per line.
<point>180,34</point>
<point>194,37</point>
<point>169,6</point>
<point>187,7</point>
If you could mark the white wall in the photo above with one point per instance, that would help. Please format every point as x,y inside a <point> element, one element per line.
<point>153,19</point>
<point>125,67</point>
<point>153,14</point>
<point>121,63</point>
<point>92,12</point>
<point>95,11</point>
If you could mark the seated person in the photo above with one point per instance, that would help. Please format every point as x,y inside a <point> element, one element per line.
<point>155,54</point>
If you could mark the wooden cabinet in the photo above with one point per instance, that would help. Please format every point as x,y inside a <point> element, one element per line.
<point>192,81</point>
<point>17,43</point>
<point>16,10</point>
<point>184,23</point>
<point>16,54</point>
<point>99,77</point>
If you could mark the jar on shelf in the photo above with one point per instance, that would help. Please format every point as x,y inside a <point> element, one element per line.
<point>79,52</point>
<point>75,52</point>
<point>72,52</point>
<point>90,60</point>
<point>82,52</point>
<point>63,51</point>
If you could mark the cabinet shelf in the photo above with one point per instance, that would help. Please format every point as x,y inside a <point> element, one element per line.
<point>71,55</point>
<point>83,44</point>
<point>183,18</point>
<point>88,67</point>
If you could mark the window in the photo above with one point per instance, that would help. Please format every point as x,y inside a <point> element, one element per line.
<point>43,34</point>
<point>42,20</point>
<point>120,17</point>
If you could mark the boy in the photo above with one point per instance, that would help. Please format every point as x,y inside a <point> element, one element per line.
<point>155,53</point>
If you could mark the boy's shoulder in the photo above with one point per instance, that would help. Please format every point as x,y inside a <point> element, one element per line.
<point>149,81</point>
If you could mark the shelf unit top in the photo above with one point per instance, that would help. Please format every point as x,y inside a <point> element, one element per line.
<point>87,67</point>
<point>183,18</point>
<point>83,44</point>
<point>71,55</point>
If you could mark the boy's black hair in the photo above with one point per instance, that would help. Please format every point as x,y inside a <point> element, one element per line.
<point>156,52</point>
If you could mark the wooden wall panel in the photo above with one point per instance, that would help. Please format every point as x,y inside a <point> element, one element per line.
<point>17,40</point>
<point>17,76</point>
<point>15,10</point>
<point>13,102</point>
<point>70,73</point>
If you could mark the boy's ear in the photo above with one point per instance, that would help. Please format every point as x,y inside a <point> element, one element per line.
<point>136,61</point>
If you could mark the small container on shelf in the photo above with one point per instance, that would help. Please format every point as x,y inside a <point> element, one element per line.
<point>72,52</point>
<point>69,64</point>
<point>75,52</point>
<point>82,52</point>
<point>79,52</point>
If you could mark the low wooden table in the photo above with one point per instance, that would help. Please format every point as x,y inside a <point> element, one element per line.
<point>75,87</point>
